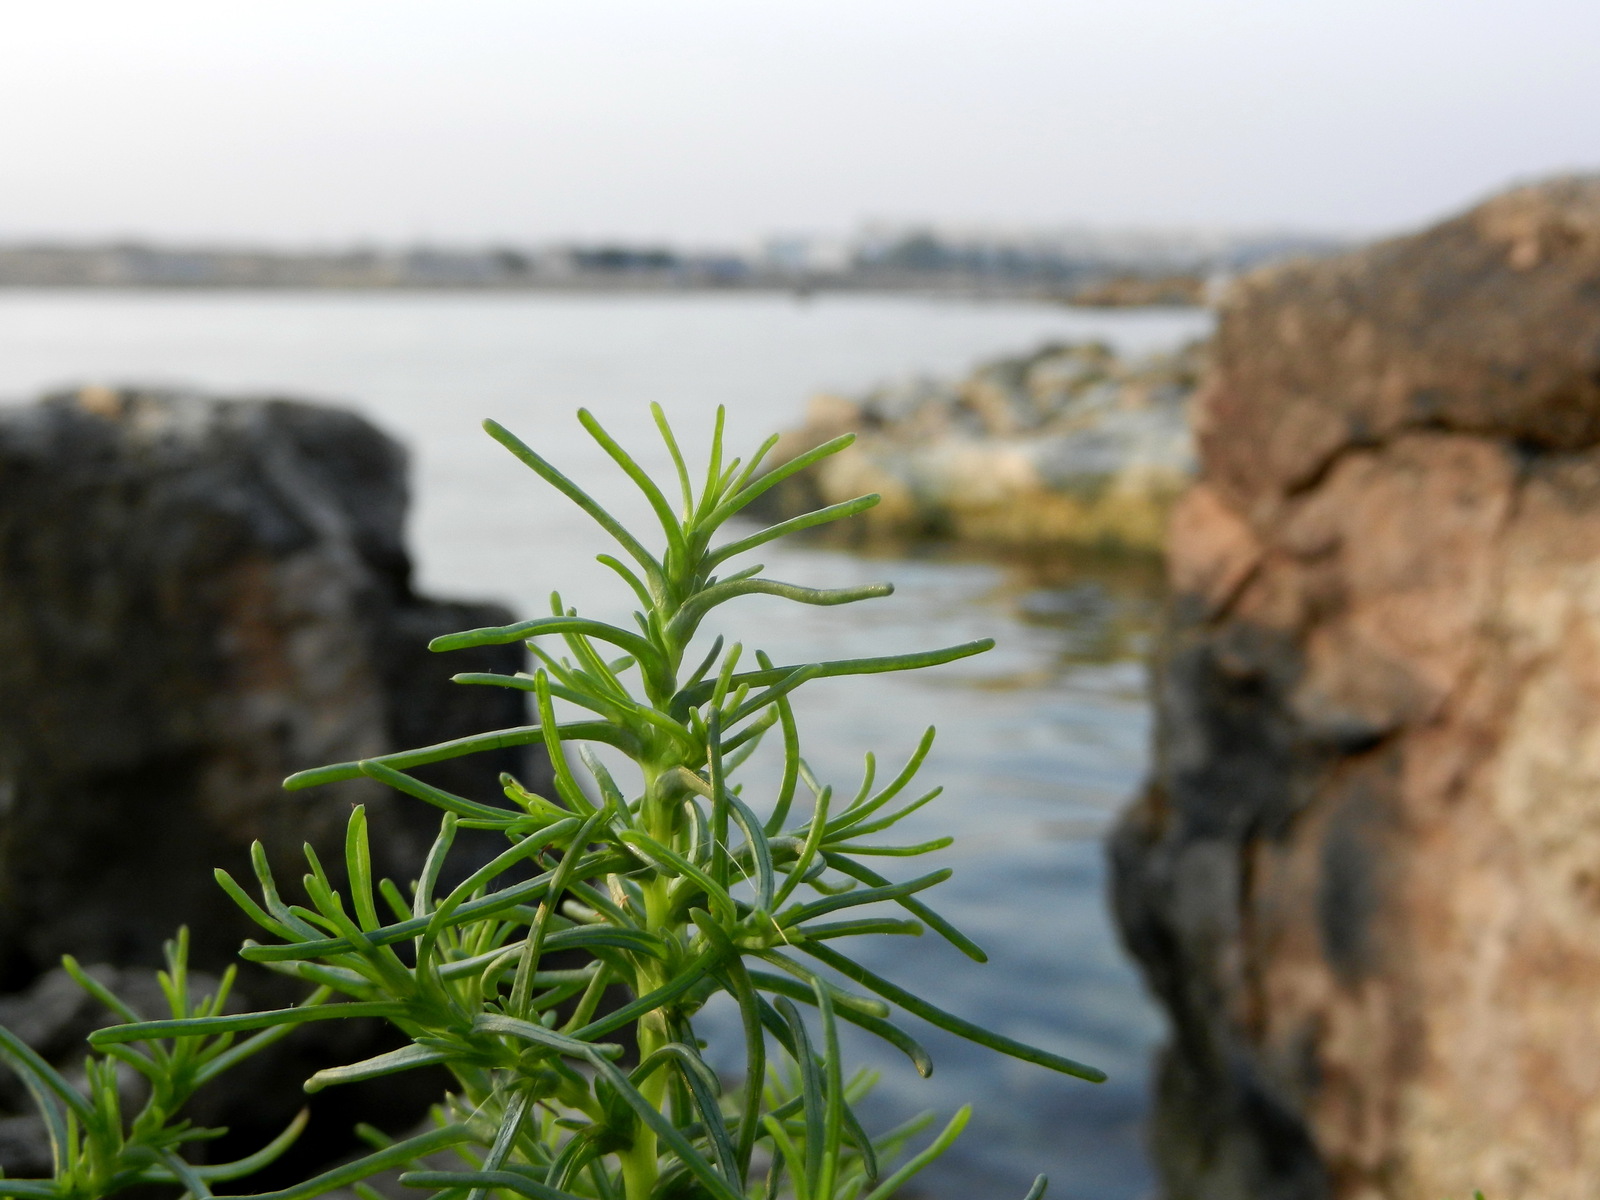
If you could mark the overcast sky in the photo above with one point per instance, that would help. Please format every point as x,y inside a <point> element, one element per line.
<point>718,121</point>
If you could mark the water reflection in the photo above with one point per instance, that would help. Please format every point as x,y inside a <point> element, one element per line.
<point>1041,741</point>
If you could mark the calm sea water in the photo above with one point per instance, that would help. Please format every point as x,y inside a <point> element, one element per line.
<point>1040,740</point>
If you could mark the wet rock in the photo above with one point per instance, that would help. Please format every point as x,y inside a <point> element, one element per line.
<point>1362,880</point>
<point>1067,446</point>
<point>198,597</point>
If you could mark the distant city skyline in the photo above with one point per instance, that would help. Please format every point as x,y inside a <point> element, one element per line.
<point>720,122</point>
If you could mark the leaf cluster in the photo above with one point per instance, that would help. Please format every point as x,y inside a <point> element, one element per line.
<point>673,885</point>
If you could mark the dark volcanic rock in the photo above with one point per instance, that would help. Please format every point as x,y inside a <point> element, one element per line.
<point>1364,878</point>
<point>198,597</point>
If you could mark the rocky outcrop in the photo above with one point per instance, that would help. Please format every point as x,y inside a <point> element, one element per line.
<point>1067,446</point>
<point>1365,878</point>
<point>1141,291</point>
<point>198,597</point>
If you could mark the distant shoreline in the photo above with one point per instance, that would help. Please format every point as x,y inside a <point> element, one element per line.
<point>1102,274</point>
<point>952,292</point>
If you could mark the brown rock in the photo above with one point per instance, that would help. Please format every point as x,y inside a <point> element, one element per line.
<point>199,598</point>
<point>1486,324</point>
<point>1365,879</point>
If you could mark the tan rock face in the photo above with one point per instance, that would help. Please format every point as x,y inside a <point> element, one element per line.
<point>1365,879</point>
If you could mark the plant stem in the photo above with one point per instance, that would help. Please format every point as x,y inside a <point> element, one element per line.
<point>639,1162</point>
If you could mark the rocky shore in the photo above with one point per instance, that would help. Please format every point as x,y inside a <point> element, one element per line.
<point>1068,446</point>
<point>1365,878</point>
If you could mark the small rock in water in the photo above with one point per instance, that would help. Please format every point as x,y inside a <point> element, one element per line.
<point>1067,446</point>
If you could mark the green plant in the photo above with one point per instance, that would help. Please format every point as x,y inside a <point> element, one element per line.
<point>674,886</point>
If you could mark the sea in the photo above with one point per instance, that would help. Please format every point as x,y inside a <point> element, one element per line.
<point>1040,741</point>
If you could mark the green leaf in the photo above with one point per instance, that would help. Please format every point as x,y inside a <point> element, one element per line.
<point>578,496</point>
<point>711,494</point>
<point>821,516</point>
<point>816,908</point>
<point>920,848</point>
<point>670,862</point>
<point>704,1090</point>
<point>533,944</point>
<point>679,465</point>
<point>770,695</point>
<point>144,1031</point>
<point>218,1063</point>
<point>46,1085</point>
<point>42,1189</point>
<point>251,909</point>
<point>97,989</point>
<point>511,1181</point>
<point>776,476</point>
<point>791,758</point>
<point>861,808</point>
<point>700,693</point>
<point>664,1129</point>
<point>358,868</point>
<point>760,851</point>
<point>895,1182</point>
<point>833,1068</point>
<point>813,1094</point>
<point>500,739</point>
<point>403,1059</point>
<point>911,904</point>
<point>566,786</point>
<point>688,618</point>
<point>663,510</point>
<point>586,936</point>
<point>864,925</point>
<point>949,1021</point>
<point>806,979</point>
<point>640,648</point>
<point>472,910</point>
<point>683,982</point>
<point>396,1155</point>
<point>264,1157</point>
<point>529,1031</point>
<point>739,986</point>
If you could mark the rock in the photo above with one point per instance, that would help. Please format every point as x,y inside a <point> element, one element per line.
<point>1141,291</point>
<point>1365,877</point>
<point>199,597</point>
<point>1067,446</point>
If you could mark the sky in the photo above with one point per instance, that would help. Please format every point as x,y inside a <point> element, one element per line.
<point>719,122</point>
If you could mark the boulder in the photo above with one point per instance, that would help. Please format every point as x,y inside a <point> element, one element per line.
<point>1067,446</point>
<point>197,598</point>
<point>1364,879</point>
